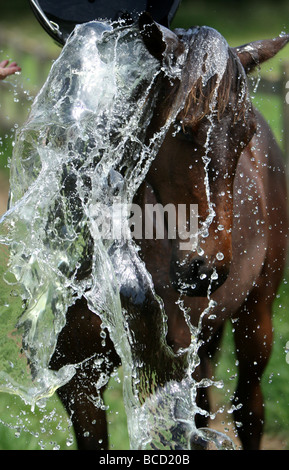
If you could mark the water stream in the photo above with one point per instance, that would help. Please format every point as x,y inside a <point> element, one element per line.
<point>81,152</point>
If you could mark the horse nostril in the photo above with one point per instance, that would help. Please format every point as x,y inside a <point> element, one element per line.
<point>198,266</point>
<point>196,277</point>
<point>186,277</point>
<point>195,270</point>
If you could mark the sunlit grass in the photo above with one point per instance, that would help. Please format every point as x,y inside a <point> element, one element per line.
<point>49,428</point>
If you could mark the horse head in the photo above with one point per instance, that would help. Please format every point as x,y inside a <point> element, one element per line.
<point>215,124</point>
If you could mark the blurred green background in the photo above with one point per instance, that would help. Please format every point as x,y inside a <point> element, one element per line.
<point>23,39</point>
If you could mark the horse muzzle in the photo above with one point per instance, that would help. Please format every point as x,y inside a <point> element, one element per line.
<point>197,278</point>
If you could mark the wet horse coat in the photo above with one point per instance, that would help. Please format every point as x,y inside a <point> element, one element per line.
<point>218,142</point>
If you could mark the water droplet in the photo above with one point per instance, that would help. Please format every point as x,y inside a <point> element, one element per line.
<point>69,441</point>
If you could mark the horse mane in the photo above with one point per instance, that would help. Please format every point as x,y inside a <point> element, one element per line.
<point>215,96</point>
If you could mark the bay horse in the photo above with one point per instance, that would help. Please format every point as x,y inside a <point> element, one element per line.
<point>221,143</point>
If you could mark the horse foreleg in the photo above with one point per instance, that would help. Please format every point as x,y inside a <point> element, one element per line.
<point>81,342</point>
<point>207,353</point>
<point>87,416</point>
<point>253,340</point>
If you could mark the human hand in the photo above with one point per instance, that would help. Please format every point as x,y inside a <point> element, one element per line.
<point>7,69</point>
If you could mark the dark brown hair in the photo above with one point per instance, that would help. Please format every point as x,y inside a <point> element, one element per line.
<point>231,91</point>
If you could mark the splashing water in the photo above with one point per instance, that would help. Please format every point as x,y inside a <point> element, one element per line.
<point>83,148</point>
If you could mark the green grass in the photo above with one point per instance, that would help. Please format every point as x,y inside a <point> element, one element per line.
<point>275,380</point>
<point>50,428</point>
<point>238,22</point>
<point>243,22</point>
<point>24,429</point>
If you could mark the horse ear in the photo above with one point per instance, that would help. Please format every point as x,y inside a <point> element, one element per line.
<point>255,53</point>
<point>159,40</point>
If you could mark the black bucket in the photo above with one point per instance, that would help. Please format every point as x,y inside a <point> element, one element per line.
<point>59,17</point>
